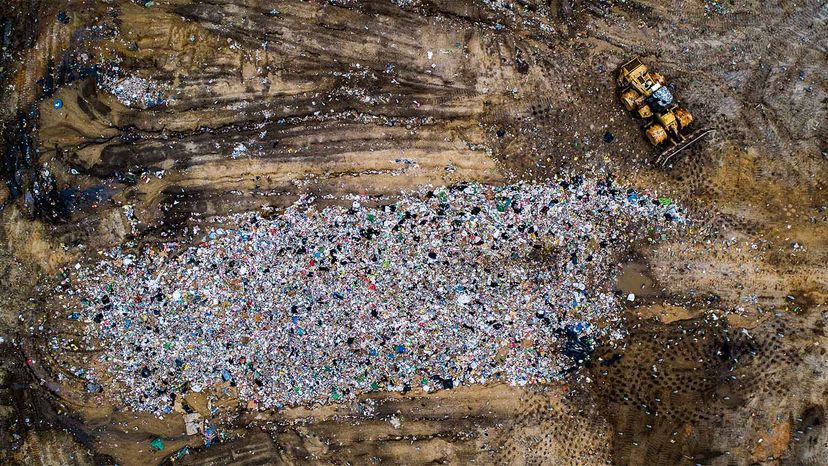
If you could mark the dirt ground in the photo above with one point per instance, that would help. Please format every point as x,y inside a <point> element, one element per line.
<point>254,103</point>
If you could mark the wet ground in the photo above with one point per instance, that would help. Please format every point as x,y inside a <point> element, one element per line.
<point>172,112</point>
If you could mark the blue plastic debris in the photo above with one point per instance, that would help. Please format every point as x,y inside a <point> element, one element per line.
<point>57,103</point>
<point>581,326</point>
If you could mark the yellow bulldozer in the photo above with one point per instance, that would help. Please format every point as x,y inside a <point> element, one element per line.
<point>665,122</point>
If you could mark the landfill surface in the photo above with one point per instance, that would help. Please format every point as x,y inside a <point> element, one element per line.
<point>410,232</point>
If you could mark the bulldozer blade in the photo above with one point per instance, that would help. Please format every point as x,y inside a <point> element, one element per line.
<point>668,155</point>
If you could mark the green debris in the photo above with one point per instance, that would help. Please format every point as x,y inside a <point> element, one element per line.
<point>157,444</point>
<point>665,201</point>
<point>504,205</point>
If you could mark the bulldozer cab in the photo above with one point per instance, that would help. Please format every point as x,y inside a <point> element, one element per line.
<point>661,100</point>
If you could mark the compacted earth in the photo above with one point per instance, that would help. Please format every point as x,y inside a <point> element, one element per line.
<point>409,231</point>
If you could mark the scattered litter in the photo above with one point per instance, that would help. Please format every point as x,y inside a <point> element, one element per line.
<point>157,444</point>
<point>239,150</point>
<point>132,90</point>
<point>395,422</point>
<point>193,423</point>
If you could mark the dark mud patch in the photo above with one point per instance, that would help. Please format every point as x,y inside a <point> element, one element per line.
<point>635,278</point>
<point>36,421</point>
<point>672,387</point>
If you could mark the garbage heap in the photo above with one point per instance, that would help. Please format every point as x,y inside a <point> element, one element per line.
<point>442,287</point>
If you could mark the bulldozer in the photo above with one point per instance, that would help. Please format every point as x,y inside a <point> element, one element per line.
<point>665,122</point>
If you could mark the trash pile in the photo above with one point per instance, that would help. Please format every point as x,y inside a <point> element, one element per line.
<point>131,90</point>
<point>443,287</point>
